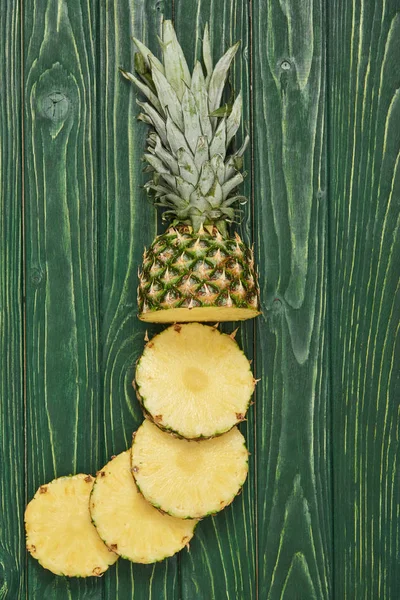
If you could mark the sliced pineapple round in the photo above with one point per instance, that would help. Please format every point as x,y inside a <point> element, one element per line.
<point>127,523</point>
<point>60,534</point>
<point>185,478</point>
<point>194,380</point>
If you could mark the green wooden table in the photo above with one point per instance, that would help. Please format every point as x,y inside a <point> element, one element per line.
<point>319,517</point>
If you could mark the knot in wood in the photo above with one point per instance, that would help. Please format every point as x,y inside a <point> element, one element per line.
<point>286,65</point>
<point>55,106</point>
<point>36,276</point>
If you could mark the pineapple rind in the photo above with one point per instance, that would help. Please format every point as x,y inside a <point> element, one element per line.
<point>184,272</point>
<point>188,479</point>
<point>128,524</point>
<point>57,522</point>
<point>219,405</point>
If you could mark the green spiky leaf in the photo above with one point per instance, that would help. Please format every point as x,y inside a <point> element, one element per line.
<point>218,78</point>
<point>207,54</point>
<point>191,119</point>
<point>199,91</point>
<point>148,55</point>
<point>176,69</point>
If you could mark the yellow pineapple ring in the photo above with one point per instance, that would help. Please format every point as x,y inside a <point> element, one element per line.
<point>127,523</point>
<point>185,478</point>
<point>59,532</point>
<point>194,381</point>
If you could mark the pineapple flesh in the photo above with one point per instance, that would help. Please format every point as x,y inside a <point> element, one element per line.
<point>59,531</point>
<point>195,271</point>
<point>188,479</point>
<point>194,380</point>
<point>127,523</point>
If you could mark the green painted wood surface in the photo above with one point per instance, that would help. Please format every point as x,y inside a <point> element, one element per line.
<point>364,112</point>
<point>12,476</point>
<point>319,517</point>
<point>294,496</point>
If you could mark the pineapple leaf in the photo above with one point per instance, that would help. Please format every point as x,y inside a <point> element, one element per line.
<point>148,55</point>
<point>142,69</point>
<point>223,111</point>
<point>198,202</point>
<point>166,157</point>
<point>232,184</point>
<point>145,118</point>
<point>218,144</point>
<point>168,97</point>
<point>235,162</point>
<point>199,91</point>
<point>197,222</point>
<point>233,122</point>
<point>228,212</point>
<point>214,196</point>
<point>218,78</point>
<point>201,153</point>
<point>232,200</point>
<point>184,188</point>
<point>207,57</point>
<point>145,90</point>
<point>176,69</point>
<point>206,178</point>
<point>156,163</point>
<point>177,201</point>
<point>222,228</point>
<point>157,121</point>
<point>187,167</point>
<point>217,163</point>
<point>176,139</point>
<point>191,119</point>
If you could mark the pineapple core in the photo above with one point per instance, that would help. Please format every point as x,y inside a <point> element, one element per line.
<point>194,379</point>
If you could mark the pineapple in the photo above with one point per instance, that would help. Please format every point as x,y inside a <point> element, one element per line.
<point>195,271</point>
<point>60,534</point>
<point>128,524</point>
<point>188,479</point>
<point>194,380</point>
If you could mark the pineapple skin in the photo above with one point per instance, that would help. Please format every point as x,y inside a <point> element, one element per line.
<point>183,269</point>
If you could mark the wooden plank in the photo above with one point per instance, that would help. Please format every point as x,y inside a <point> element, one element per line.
<point>63,416</point>
<point>128,223</point>
<point>222,558</point>
<point>292,406</point>
<point>364,104</point>
<point>12,482</point>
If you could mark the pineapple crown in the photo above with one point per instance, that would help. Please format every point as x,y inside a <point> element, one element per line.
<point>193,178</point>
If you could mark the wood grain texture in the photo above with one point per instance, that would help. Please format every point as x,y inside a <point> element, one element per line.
<point>364,112</point>
<point>127,223</point>
<point>12,480</point>
<point>294,500</point>
<point>62,321</point>
<point>222,559</point>
<point>319,517</point>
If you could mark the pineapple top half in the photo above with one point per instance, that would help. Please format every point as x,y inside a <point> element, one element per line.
<point>193,178</point>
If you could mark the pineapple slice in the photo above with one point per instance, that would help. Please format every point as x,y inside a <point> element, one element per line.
<point>194,381</point>
<point>188,479</point>
<point>128,524</point>
<point>59,532</point>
